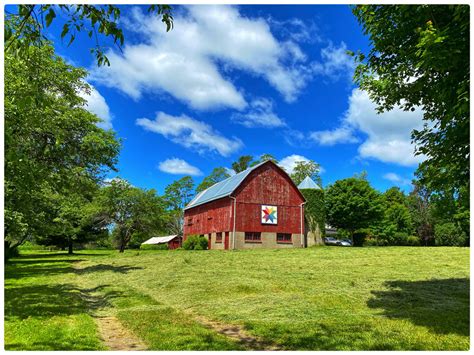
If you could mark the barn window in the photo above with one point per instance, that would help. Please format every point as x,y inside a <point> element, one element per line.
<point>219,237</point>
<point>283,238</point>
<point>253,237</point>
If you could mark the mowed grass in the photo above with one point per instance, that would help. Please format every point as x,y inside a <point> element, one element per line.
<point>393,298</point>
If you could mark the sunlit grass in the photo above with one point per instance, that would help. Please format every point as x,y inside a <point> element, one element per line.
<point>322,298</point>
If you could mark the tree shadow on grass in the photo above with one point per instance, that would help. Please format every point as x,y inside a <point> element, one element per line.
<point>442,305</point>
<point>54,300</point>
<point>122,269</point>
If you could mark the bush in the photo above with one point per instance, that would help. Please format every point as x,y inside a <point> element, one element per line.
<point>154,247</point>
<point>195,242</point>
<point>400,238</point>
<point>359,237</point>
<point>370,242</point>
<point>413,241</point>
<point>449,234</point>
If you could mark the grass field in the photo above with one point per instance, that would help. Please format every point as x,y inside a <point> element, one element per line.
<point>393,298</point>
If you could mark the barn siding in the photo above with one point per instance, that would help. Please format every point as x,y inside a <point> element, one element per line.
<point>211,217</point>
<point>266,185</point>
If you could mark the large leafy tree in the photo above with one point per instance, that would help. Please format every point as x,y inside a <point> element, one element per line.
<point>26,26</point>
<point>129,210</point>
<point>306,168</point>
<point>242,163</point>
<point>217,175</point>
<point>177,195</point>
<point>352,204</point>
<point>53,146</point>
<point>420,58</point>
<point>264,157</point>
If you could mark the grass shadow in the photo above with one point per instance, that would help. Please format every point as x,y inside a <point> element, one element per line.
<point>52,300</point>
<point>442,305</point>
<point>122,269</point>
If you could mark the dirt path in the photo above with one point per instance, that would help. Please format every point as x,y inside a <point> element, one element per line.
<point>116,337</point>
<point>250,342</point>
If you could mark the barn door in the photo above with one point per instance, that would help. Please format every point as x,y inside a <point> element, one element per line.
<point>226,240</point>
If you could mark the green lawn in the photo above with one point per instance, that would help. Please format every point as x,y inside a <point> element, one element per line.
<point>393,298</point>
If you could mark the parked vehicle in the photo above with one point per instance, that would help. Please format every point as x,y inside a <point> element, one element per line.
<point>345,243</point>
<point>330,241</point>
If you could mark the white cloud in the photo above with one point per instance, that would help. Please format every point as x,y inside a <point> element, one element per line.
<point>289,163</point>
<point>332,137</point>
<point>396,179</point>
<point>178,167</point>
<point>388,135</point>
<point>190,133</point>
<point>97,105</point>
<point>260,114</point>
<point>335,62</point>
<point>185,61</point>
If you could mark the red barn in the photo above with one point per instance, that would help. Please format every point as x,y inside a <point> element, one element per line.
<point>260,207</point>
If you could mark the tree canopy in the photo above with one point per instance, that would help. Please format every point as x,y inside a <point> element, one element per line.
<point>419,57</point>
<point>306,168</point>
<point>217,175</point>
<point>53,146</point>
<point>352,204</point>
<point>26,26</point>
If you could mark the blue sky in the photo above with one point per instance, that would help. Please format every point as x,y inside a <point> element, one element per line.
<point>243,80</point>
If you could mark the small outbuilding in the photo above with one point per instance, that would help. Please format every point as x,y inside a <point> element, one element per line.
<point>173,241</point>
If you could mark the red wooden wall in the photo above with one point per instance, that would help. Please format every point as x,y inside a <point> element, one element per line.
<point>266,185</point>
<point>214,216</point>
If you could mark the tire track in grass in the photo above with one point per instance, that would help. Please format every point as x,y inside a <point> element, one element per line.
<point>237,333</point>
<point>116,337</point>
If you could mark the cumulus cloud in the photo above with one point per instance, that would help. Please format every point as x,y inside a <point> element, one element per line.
<point>185,61</point>
<point>97,105</point>
<point>335,62</point>
<point>190,133</point>
<point>289,163</point>
<point>260,114</point>
<point>331,137</point>
<point>396,179</point>
<point>178,167</point>
<point>388,135</point>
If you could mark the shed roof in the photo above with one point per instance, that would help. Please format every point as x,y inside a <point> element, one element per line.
<point>308,183</point>
<point>160,240</point>
<point>221,189</point>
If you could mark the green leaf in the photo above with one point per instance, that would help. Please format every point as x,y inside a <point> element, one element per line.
<point>50,16</point>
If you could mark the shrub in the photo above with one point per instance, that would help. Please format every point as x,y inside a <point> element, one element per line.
<point>195,242</point>
<point>154,247</point>
<point>413,240</point>
<point>449,234</point>
<point>399,238</point>
<point>370,242</point>
<point>359,237</point>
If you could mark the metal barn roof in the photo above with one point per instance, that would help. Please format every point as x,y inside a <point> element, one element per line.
<point>160,240</point>
<point>221,189</point>
<point>308,183</point>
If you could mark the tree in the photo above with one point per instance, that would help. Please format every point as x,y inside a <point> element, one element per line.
<point>352,204</point>
<point>242,163</point>
<point>264,157</point>
<point>26,26</point>
<point>129,210</point>
<point>177,195</point>
<point>420,211</point>
<point>217,175</point>
<point>306,168</point>
<point>53,145</point>
<point>420,58</point>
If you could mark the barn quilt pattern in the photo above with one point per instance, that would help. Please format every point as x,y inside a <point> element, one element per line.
<point>269,214</point>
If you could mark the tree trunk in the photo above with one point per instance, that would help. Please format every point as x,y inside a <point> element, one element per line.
<point>122,247</point>
<point>69,251</point>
